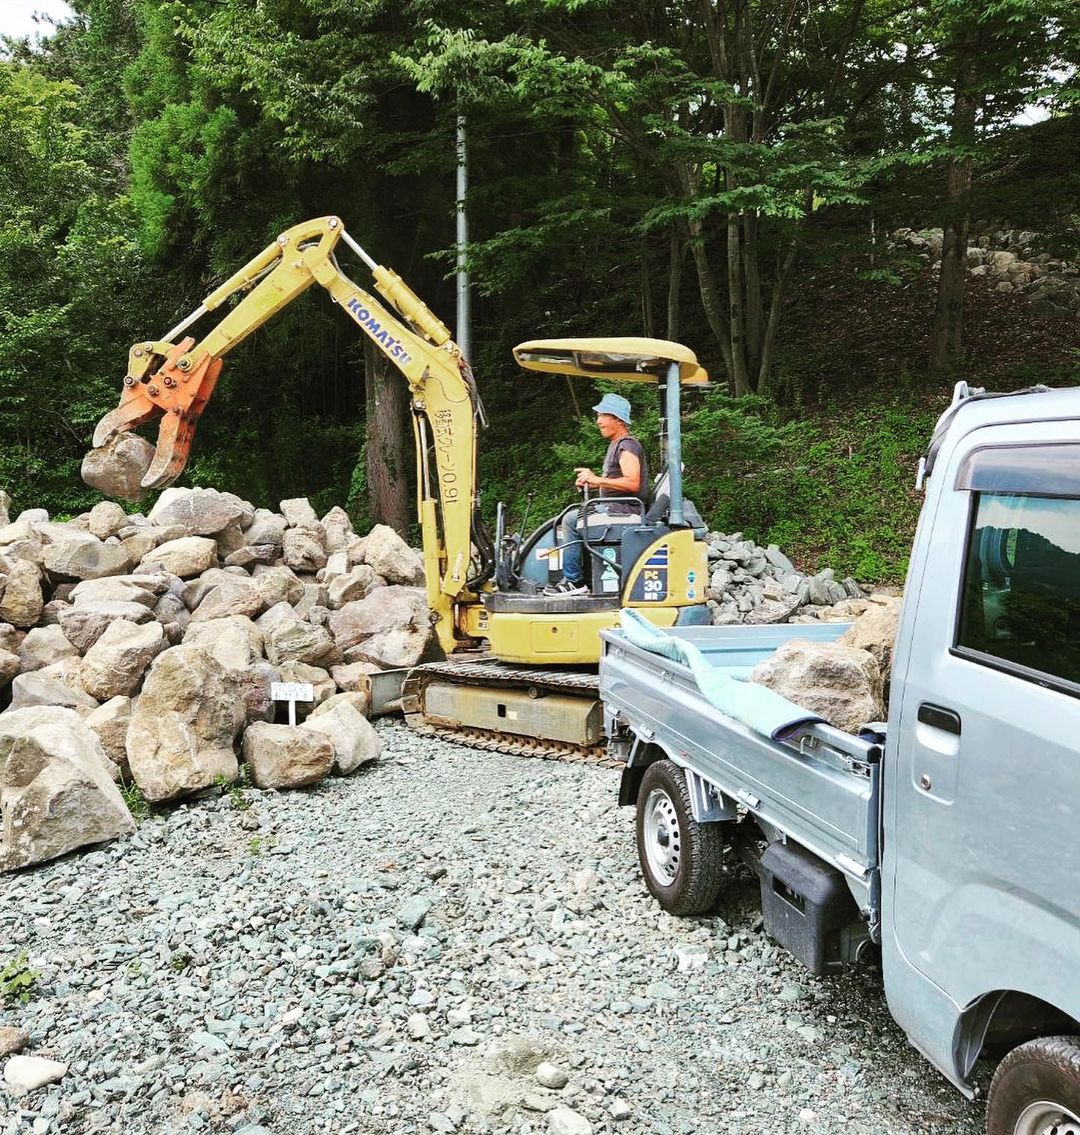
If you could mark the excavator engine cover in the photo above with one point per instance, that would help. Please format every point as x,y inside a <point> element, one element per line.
<point>556,717</point>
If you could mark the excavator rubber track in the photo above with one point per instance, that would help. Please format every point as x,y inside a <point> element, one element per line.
<point>501,674</point>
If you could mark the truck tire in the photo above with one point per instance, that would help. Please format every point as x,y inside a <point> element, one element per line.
<point>680,858</point>
<point>1036,1089</point>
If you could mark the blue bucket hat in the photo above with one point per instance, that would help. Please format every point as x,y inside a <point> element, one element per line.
<point>616,405</point>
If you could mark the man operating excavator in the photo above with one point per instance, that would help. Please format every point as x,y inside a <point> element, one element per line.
<point>625,474</point>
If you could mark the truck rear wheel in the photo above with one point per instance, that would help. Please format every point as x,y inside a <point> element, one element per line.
<point>680,858</point>
<point>1036,1089</point>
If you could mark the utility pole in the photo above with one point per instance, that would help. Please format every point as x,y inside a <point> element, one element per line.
<point>463,313</point>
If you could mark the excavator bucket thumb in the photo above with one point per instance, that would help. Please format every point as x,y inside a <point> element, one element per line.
<point>177,391</point>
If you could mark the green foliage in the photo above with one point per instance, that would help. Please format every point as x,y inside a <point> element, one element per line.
<point>136,802</point>
<point>236,789</point>
<point>18,982</point>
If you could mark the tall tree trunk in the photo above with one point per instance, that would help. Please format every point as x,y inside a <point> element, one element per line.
<point>752,275</point>
<point>739,381</point>
<point>389,460</point>
<point>947,341</point>
<point>647,320</point>
<point>677,250</point>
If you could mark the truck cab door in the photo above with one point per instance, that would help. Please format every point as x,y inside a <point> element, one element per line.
<point>983,785</point>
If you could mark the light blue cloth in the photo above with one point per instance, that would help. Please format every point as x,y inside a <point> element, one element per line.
<point>728,688</point>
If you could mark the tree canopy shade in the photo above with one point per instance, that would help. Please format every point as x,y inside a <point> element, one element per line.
<point>682,169</point>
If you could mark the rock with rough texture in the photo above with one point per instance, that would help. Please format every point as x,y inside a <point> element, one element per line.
<point>231,597</point>
<point>109,723</point>
<point>875,631</point>
<point>254,684</point>
<point>115,664</point>
<point>351,677</point>
<point>9,666</point>
<point>183,726</point>
<point>186,557</point>
<point>50,687</point>
<point>355,741</point>
<point>83,624</point>
<point>12,1039</point>
<point>840,683</point>
<point>235,641</point>
<point>278,584</point>
<point>389,556</point>
<point>286,756</point>
<point>303,549</point>
<point>119,589</point>
<point>118,467</point>
<point>338,528</point>
<point>25,1074</point>
<point>80,555</point>
<point>389,650</point>
<point>56,791</point>
<point>266,528</point>
<point>564,1121</point>
<point>389,608</point>
<point>42,647</point>
<point>355,584</point>
<point>22,600</point>
<point>106,519</point>
<point>298,511</point>
<point>291,640</point>
<point>200,512</point>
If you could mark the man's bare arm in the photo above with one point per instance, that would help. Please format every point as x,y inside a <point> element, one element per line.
<point>629,482</point>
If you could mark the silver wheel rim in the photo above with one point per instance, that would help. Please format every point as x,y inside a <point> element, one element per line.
<point>1044,1117</point>
<point>662,837</point>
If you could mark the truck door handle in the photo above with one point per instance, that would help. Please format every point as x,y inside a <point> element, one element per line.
<point>940,718</point>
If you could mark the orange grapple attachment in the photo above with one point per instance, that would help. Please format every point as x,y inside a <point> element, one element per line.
<point>178,390</point>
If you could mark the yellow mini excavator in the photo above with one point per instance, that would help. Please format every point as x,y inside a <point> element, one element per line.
<point>515,675</point>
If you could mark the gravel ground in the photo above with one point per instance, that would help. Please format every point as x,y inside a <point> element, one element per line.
<point>397,952</point>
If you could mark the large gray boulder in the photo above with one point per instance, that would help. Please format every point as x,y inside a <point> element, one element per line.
<point>358,583</point>
<point>875,631</point>
<point>339,530</point>
<point>22,599</point>
<point>118,467</point>
<point>298,511</point>
<point>56,790</point>
<point>115,664</point>
<point>109,723</point>
<point>304,549</point>
<point>120,589</point>
<point>42,647</point>
<point>277,584</point>
<point>182,730</point>
<point>234,596</point>
<point>323,686</point>
<point>72,554</point>
<point>293,640</point>
<point>389,650</point>
<point>106,519</point>
<point>388,608</point>
<point>9,666</point>
<point>200,512</point>
<point>235,641</point>
<point>840,683</point>
<point>389,556</point>
<point>55,685</point>
<point>354,739</point>
<point>266,528</point>
<point>186,557</point>
<point>286,756</point>
<point>84,624</point>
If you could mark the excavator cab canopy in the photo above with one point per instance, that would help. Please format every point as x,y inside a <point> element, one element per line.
<point>623,359</point>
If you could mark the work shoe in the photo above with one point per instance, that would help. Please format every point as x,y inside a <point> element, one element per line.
<point>566,587</point>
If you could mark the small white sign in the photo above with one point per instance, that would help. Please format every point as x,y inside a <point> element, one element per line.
<point>292,691</point>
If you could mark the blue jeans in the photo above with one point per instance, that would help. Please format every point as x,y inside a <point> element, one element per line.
<point>570,539</point>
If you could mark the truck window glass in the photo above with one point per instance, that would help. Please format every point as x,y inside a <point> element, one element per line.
<point>1021,595</point>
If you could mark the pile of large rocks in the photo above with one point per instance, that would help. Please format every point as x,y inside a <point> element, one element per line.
<point>751,584</point>
<point>1012,260</point>
<point>143,649</point>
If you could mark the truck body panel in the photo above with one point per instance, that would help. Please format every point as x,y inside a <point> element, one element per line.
<point>968,823</point>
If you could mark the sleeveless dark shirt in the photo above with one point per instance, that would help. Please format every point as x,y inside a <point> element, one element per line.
<point>627,444</point>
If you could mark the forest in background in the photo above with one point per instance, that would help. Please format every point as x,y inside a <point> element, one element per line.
<point>721,172</point>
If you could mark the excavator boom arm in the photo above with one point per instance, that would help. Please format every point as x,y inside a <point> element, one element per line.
<point>175,380</point>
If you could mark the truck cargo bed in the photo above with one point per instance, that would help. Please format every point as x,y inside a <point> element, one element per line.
<point>820,788</point>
